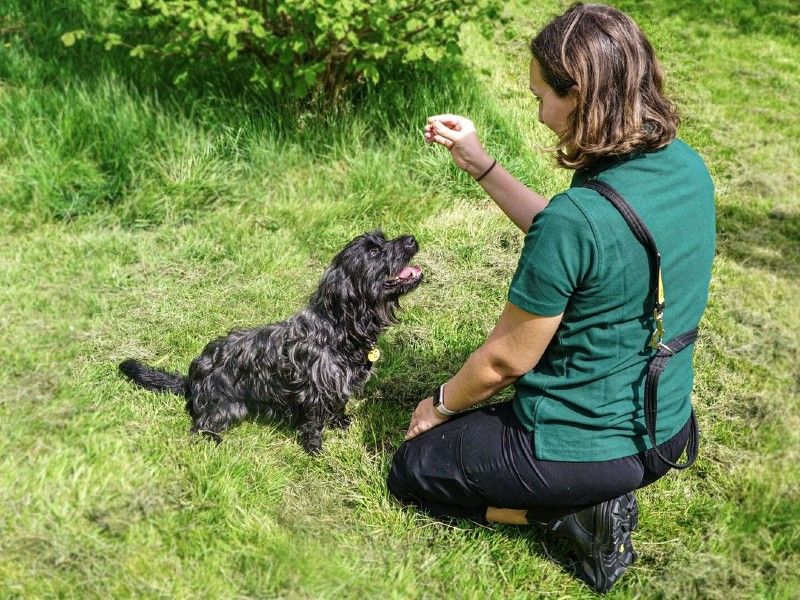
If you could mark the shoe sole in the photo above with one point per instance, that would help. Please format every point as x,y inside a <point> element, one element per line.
<point>633,508</point>
<point>615,520</point>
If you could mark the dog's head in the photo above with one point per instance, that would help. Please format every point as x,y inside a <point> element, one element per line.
<point>370,274</point>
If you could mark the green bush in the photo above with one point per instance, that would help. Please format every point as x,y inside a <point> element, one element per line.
<point>295,47</point>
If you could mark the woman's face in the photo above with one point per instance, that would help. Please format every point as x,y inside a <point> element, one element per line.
<point>554,110</point>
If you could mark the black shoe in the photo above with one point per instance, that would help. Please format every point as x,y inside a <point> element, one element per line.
<point>600,536</point>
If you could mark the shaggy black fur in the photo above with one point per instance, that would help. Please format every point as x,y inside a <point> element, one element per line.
<point>304,369</point>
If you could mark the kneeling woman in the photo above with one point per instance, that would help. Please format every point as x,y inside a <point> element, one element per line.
<point>574,337</point>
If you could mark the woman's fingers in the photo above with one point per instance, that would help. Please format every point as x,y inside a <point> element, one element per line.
<point>415,431</point>
<point>443,141</point>
<point>431,136</point>
<point>447,130</point>
<point>452,121</point>
<point>440,129</point>
<point>424,418</point>
<point>416,427</point>
<point>419,427</point>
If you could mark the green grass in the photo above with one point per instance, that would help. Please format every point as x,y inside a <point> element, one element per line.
<point>139,220</point>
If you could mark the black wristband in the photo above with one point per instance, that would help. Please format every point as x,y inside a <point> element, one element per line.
<point>486,172</point>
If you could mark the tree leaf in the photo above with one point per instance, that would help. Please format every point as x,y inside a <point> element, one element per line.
<point>69,39</point>
<point>310,77</point>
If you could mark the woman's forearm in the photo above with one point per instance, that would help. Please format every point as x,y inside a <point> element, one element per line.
<point>519,202</point>
<point>515,346</point>
<point>478,379</point>
<point>458,135</point>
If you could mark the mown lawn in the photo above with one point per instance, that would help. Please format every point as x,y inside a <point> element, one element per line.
<point>139,220</point>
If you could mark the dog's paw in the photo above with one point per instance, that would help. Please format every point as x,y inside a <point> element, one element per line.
<point>208,434</point>
<point>341,422</point>
<point>313,447</point>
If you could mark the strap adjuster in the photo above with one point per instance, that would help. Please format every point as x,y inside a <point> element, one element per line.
<point>658,334</point>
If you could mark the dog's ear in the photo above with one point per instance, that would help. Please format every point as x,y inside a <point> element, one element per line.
<point>375,234</point>
<point>335,293</point>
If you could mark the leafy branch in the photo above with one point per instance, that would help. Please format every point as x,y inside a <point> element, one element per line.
<point>299,47</point>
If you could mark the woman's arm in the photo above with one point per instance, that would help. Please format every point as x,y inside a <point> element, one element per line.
<point>519,202</point>
<point>512,349</point>
<point>458,135</point>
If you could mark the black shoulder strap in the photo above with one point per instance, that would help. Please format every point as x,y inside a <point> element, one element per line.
<point>636,224</point>
<point>664,351</point>
<point>642,234</point>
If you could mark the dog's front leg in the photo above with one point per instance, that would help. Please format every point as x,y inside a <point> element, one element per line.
<point>311,431</point>
<point>340,421</point>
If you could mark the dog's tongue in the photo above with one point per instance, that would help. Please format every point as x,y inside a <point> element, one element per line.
<point>408,272</point>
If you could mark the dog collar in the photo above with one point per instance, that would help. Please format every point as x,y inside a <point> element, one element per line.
<point>374,354</point>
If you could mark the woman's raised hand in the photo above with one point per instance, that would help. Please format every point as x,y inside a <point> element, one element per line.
<point>458,135</point>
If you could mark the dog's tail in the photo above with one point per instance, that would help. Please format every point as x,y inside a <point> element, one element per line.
<point>153,379</point>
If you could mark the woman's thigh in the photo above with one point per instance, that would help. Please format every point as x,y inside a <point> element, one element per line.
<point>485,458</point>
<point>434,466</point>
<point>429,467</point>
<point>511,477</point>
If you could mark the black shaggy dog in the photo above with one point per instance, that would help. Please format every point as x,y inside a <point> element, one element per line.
<point>303,369</point>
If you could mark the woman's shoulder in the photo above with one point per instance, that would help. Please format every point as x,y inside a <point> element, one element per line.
<point>683,161</point>
<point>568,206</point>
<point>684,151</point>
<point>675,153</point>
<point>676,160</point>
<point>569,213</point>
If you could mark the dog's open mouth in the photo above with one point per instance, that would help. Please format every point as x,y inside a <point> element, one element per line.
<point>410,274</point>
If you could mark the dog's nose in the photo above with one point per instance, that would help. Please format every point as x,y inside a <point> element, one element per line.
<point>408,241</point>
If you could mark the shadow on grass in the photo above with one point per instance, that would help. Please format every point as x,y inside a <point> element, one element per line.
<point>557,552</point>
<point>286,430</point>
<point>756,238</point>
<point>392,395</point>
<point>774,18</point>
<point>385,416</point>
<point>538,542</point>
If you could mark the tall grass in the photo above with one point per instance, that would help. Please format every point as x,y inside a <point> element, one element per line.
<point>141,220</point>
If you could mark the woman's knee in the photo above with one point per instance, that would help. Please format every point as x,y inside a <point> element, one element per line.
<point>400,480</point>
<point>427,467</point>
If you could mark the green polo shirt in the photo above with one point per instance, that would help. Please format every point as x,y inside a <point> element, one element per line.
<point>583,400</point>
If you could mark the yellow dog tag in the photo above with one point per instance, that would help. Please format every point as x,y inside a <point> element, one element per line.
<point>374,354</point>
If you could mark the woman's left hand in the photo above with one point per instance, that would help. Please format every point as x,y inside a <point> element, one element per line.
<point>425,417</point>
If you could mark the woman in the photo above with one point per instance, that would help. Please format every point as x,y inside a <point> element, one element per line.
<point>571,447</point>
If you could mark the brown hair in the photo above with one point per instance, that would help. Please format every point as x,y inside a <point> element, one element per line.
<point>602,54</point>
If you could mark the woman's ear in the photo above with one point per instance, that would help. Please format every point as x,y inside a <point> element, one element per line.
<point>574,95</point>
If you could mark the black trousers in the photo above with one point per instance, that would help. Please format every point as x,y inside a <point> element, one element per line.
<point>485,458</point>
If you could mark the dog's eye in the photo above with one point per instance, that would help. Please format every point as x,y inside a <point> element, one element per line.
<point>373,252</point>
